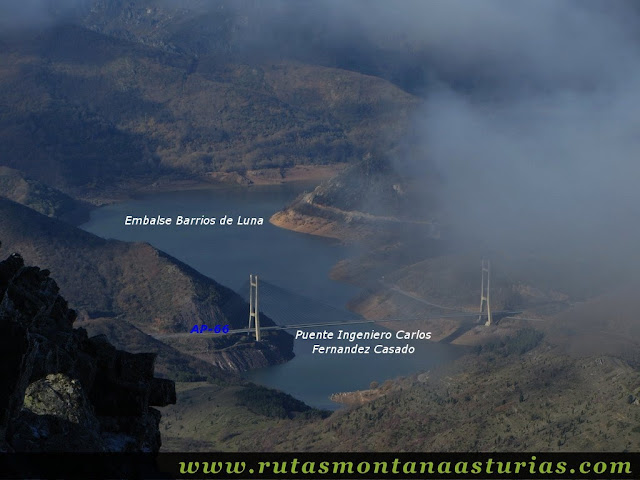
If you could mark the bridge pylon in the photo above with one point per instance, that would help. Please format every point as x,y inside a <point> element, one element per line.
<point>485,291</point>
<point>254,313</point>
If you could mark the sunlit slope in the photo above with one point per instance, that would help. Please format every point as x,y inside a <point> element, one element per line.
<point>374,200</point>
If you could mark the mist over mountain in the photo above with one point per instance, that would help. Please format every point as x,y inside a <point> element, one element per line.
<point>503,128</point>
<point>546,160</point>
<point>528,117</point>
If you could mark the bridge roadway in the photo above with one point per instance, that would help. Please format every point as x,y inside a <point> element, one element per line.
<point>501,313</point>
<point>326,310</point>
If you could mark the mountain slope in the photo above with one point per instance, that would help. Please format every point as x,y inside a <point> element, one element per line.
<point>40,197</point>
<point>170,362</point>
<point>371,201</point>
<point>540,400</point>
<point>519,393</point>
<point>83,110</point>
<point>250,30</point>
<point>153,291</point>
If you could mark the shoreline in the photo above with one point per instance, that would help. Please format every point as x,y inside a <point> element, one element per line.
<point>312,174</point>
<point>186,185</point>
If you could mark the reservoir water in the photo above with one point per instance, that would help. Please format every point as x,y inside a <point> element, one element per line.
<point>294,268</point>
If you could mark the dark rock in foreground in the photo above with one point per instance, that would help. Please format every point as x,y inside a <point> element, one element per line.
<point>63,391</point>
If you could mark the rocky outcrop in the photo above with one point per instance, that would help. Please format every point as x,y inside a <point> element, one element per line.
<point>61,390</point>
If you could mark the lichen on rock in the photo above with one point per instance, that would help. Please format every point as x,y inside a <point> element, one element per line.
<point>61,390</point>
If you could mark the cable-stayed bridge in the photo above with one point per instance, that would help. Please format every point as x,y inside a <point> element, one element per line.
<point>293,311</point>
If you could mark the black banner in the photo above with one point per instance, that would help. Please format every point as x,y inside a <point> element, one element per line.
<point>369,465</point>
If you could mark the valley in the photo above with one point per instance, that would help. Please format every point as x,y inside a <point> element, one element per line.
<point>105,280</point>
<point>364,163</point>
